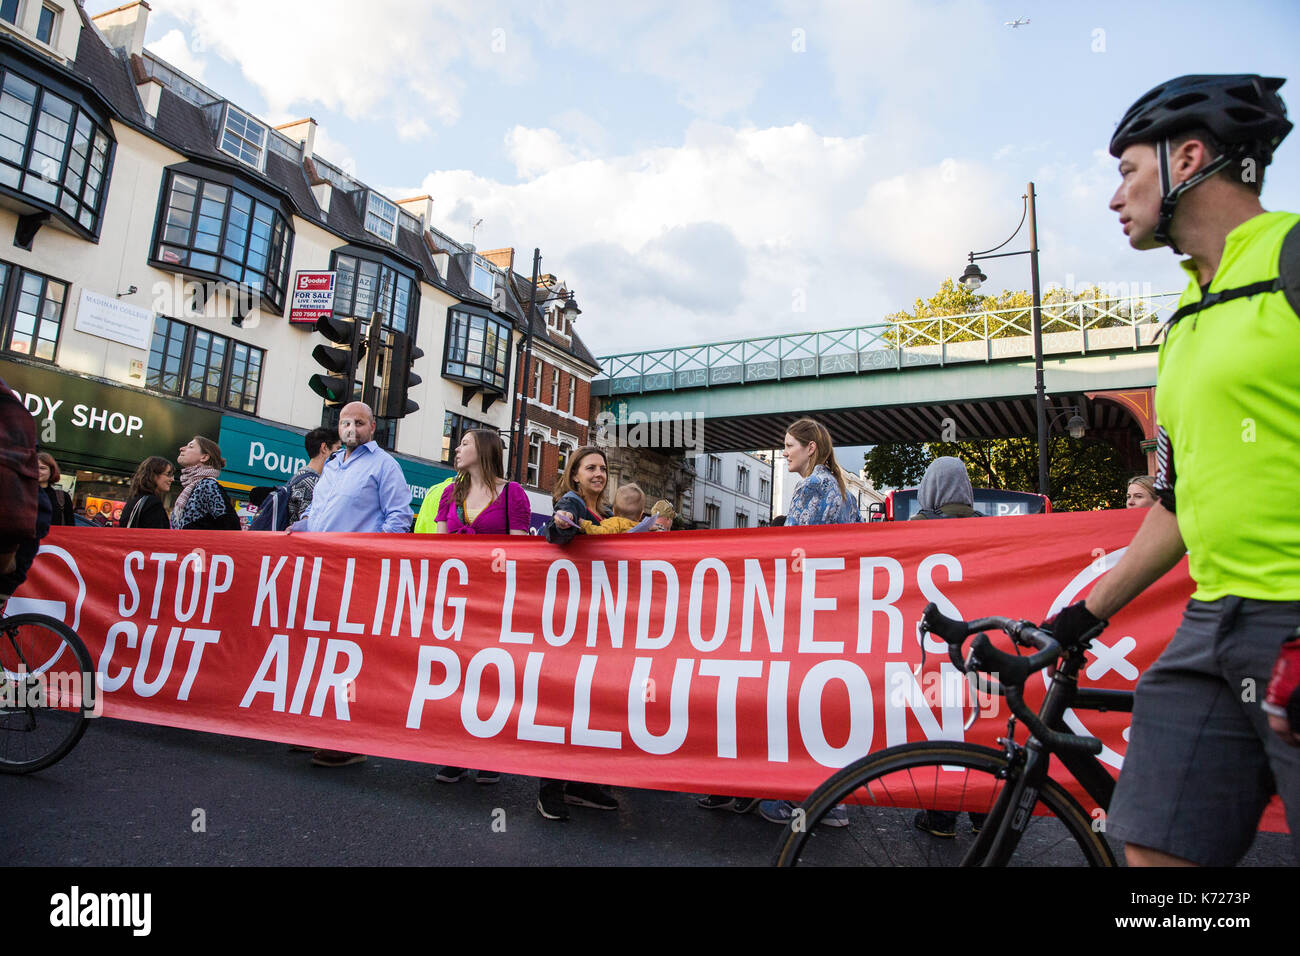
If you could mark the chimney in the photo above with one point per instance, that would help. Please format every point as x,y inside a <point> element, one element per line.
<point>302,131</point>
<point>421,207</point>
<point>501,258</point>
<point>124,26</point>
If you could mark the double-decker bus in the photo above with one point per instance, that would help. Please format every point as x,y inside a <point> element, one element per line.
<point>902,504</point>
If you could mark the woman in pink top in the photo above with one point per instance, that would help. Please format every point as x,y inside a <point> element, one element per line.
<point>481,501</point>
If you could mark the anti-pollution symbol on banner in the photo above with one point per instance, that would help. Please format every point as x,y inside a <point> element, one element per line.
<point>52,607</point>
<point>1106,658</point>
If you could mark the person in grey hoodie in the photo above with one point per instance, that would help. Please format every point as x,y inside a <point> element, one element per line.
<point>945,492</point>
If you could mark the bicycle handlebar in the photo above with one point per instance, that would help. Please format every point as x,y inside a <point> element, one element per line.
<point>1012,670</point>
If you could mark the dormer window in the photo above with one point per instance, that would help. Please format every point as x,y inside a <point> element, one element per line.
<point>482,280</point>
<point>47,27</point>
<point>381,217</point>
<point>243,137</point>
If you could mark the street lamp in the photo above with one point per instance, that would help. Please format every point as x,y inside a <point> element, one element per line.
<point>1076,426</point>
<point>518,456</point>
<point>971,280</point>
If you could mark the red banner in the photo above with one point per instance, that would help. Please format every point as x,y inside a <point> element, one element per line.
<point>748,661</point>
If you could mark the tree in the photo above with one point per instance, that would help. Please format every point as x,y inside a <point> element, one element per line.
<point>1005,315</point>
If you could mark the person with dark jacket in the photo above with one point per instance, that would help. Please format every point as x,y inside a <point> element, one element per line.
<point>202,504</point>
<point>25,517</point>
<point>945,492</point>
<point>60,500</point>
<point>144,504</point>
<point>579,497</point>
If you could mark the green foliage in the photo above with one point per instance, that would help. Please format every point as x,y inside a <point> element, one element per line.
<point>964,316</point>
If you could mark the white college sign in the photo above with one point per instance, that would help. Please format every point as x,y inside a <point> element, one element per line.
<point>115,320</point>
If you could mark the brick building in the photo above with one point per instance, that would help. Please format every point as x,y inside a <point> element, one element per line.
<point>556,401</point>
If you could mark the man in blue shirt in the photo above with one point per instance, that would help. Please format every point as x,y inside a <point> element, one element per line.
<point>362,488</point>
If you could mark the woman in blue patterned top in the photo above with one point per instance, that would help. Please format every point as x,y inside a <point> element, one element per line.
<point>821,498</point>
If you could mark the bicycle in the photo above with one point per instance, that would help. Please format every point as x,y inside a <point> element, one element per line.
<point>1006,791</point>
<point>43,700</point>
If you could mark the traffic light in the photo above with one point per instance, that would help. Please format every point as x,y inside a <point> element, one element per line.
<point>401,377</point>
<point>339,387</point>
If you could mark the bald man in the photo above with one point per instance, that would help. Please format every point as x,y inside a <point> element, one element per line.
<point>362,487</point>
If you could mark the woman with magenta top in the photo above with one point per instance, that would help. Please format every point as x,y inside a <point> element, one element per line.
<point>481,501</point>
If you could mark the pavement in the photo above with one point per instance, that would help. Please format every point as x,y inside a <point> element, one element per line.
<point>134,794</point>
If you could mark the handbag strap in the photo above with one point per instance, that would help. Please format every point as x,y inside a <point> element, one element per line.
<point>135,512</point>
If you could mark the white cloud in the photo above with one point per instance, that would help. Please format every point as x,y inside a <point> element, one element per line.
<point>534,151</point>
<point>737,233</point>
<point>174,47</point>
<point>302,52</point>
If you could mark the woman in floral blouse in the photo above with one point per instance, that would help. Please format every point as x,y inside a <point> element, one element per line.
<point>821,498</point>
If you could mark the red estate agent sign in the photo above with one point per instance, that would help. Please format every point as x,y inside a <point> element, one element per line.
<point>313,296</point>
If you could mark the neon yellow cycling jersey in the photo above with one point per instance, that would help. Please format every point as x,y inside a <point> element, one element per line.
<point>1228,401</point>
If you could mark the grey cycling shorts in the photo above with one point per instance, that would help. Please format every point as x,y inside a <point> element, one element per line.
<point>1202,761</point>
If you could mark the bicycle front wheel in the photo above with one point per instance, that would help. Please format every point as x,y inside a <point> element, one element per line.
<point>45,691</point>
<point>899,799</point>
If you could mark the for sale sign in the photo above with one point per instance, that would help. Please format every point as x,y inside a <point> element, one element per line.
<point>313,296</point>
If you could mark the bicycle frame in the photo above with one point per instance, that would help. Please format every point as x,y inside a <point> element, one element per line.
<point>1002,831</point>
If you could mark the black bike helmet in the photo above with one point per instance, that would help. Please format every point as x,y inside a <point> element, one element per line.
<point>1242,111</point>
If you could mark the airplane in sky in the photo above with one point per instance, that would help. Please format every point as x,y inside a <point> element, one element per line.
<point>1017,22</point>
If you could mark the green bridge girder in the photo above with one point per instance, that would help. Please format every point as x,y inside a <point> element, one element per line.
<point>981,400</point>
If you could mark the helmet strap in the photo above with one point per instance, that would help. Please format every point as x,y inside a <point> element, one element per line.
<point>1169,195</point>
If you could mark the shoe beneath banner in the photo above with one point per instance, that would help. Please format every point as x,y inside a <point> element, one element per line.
<point>776,811</point>
<point>336,758</point>
<point>486,776</point>
<point>937,823</point>
<point>550,801</point>
<point>450,774</point>
<point>716,802</point>
<point>589,795</point>
<point>744,804</point>
<point>837,816</point>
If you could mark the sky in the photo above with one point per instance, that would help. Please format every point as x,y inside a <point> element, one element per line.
<point>707,171</point>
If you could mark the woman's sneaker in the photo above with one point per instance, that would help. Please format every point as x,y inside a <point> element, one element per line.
<point>487,776</point>
<point>550,801</point>
<point>450,774</point>
<point>776,811</point>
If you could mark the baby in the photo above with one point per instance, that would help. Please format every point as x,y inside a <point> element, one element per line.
<point>629,506</point>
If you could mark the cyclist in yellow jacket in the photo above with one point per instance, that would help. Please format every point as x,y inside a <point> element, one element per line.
<point>1208,746</point>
